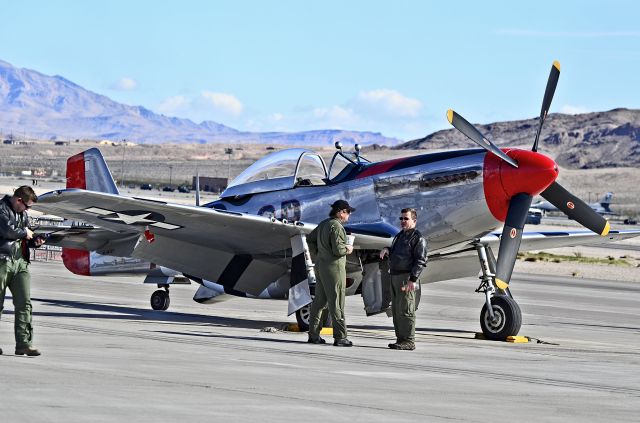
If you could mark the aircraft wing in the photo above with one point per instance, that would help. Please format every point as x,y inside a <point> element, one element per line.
<point>241,251</point>
<point>462,260</point>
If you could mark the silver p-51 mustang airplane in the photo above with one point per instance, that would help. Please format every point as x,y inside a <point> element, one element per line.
<point>251,242</point>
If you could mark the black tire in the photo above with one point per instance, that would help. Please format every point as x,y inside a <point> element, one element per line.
<point>160,300</point>
<point>302,317</point>
<point>508,318</point>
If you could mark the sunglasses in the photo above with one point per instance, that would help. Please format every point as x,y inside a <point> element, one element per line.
<point>26,206</point>
<point>405,218</point>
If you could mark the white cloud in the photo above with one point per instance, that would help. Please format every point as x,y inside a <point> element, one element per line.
<point>334,114</point>
<point>225,103</point>
<point>386,102</point>
<point>277,116</point>
<point>574,110</point>
<point>173,105</point>
<point>125,84</point>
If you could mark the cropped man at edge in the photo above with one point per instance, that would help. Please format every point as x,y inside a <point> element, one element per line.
<point>407,259</point>
<point>15,240</point>
<point>328,243</point>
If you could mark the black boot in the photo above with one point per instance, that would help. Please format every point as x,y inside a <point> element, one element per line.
<point>344,342</point>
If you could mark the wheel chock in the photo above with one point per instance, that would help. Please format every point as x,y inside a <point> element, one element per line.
<point>512,339</point>
<point>293,327</point>
<point>326,331</point>
<point>518,339</point>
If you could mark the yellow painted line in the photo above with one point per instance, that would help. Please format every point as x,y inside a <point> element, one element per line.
<point>606,229</point>
<point>450,116</point>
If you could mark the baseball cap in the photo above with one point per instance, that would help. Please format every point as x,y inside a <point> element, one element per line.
<point>342,205</point>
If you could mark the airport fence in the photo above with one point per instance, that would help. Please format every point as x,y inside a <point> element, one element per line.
<point>46,253</point>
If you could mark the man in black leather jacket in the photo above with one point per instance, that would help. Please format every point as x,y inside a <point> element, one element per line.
<point>15,240</point>
<point>407,258</point>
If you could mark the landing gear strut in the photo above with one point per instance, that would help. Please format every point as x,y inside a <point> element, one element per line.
<point>160,299</point>
<point>500,316</point>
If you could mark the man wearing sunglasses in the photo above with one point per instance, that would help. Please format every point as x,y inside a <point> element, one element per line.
<point>15,240</point>
<point>328,243</point>
<point>407,258</point>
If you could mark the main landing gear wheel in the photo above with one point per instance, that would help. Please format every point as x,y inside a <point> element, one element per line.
<point>302,317</point>
<point>160,300</point>
<point>507,318</point>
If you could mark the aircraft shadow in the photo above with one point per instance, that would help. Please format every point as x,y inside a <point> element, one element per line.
<point>115,312</point>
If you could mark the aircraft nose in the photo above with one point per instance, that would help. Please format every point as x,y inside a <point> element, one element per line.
<point>535,172</point>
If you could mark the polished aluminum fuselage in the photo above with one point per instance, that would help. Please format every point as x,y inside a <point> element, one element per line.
<point>448,195</point>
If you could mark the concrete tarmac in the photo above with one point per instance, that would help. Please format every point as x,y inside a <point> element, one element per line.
<point>107,357</point>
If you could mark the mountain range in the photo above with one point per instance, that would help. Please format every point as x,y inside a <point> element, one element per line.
<point>53,107</point>
<point>584,141</point>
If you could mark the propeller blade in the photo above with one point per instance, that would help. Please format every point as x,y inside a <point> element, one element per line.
<point>474,135</point>
<point>511,237</point>
<point>576,209</point>
<point>552,82</point>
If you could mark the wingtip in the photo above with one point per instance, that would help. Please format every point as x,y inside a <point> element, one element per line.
<point>556,65</point>
<point>450,116</point>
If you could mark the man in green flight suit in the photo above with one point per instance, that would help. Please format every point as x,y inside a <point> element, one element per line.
<point>15,240</point>
<point>328,242</point>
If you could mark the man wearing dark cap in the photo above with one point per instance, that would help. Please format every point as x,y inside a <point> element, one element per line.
<point>15,240</point>
<point>328,243</point>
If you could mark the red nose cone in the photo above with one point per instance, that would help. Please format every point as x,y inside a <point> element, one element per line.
<point>502,181</point>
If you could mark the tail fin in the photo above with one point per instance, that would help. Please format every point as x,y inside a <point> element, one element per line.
<point>88,170</point>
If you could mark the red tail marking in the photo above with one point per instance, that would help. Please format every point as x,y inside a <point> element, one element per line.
<point>75,172</point>
<point>77,261</point>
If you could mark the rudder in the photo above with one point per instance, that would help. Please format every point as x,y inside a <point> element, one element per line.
<point>88,170</point>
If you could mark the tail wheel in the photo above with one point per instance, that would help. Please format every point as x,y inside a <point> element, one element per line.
<point>507,318</point>
<point>160,300</point>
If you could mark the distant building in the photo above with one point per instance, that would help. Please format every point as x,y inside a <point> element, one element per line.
<point>62,142</point>
<point>210,184</point>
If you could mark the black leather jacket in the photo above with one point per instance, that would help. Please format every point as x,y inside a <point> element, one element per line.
<point>12,230</point>
<point>408,254</point>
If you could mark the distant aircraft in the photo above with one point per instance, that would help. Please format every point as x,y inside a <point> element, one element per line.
<point>252,241</point>
<point>601,207</point>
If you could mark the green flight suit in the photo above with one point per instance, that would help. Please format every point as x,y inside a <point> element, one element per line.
<point>403,306</point>
<point>328,242</point>
<point>14,274</point>
<point>14,271</point>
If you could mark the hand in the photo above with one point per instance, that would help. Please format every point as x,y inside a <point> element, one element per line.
<point>349,249</point>
<point>410,286</point>
<point>29,233</point>
<point>38,241</point>
<point>383,253</point>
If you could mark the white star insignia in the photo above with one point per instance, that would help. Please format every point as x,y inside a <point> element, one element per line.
<point>130,220</point>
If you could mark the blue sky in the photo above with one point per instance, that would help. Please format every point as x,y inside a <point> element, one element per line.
<point>390,67</point>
